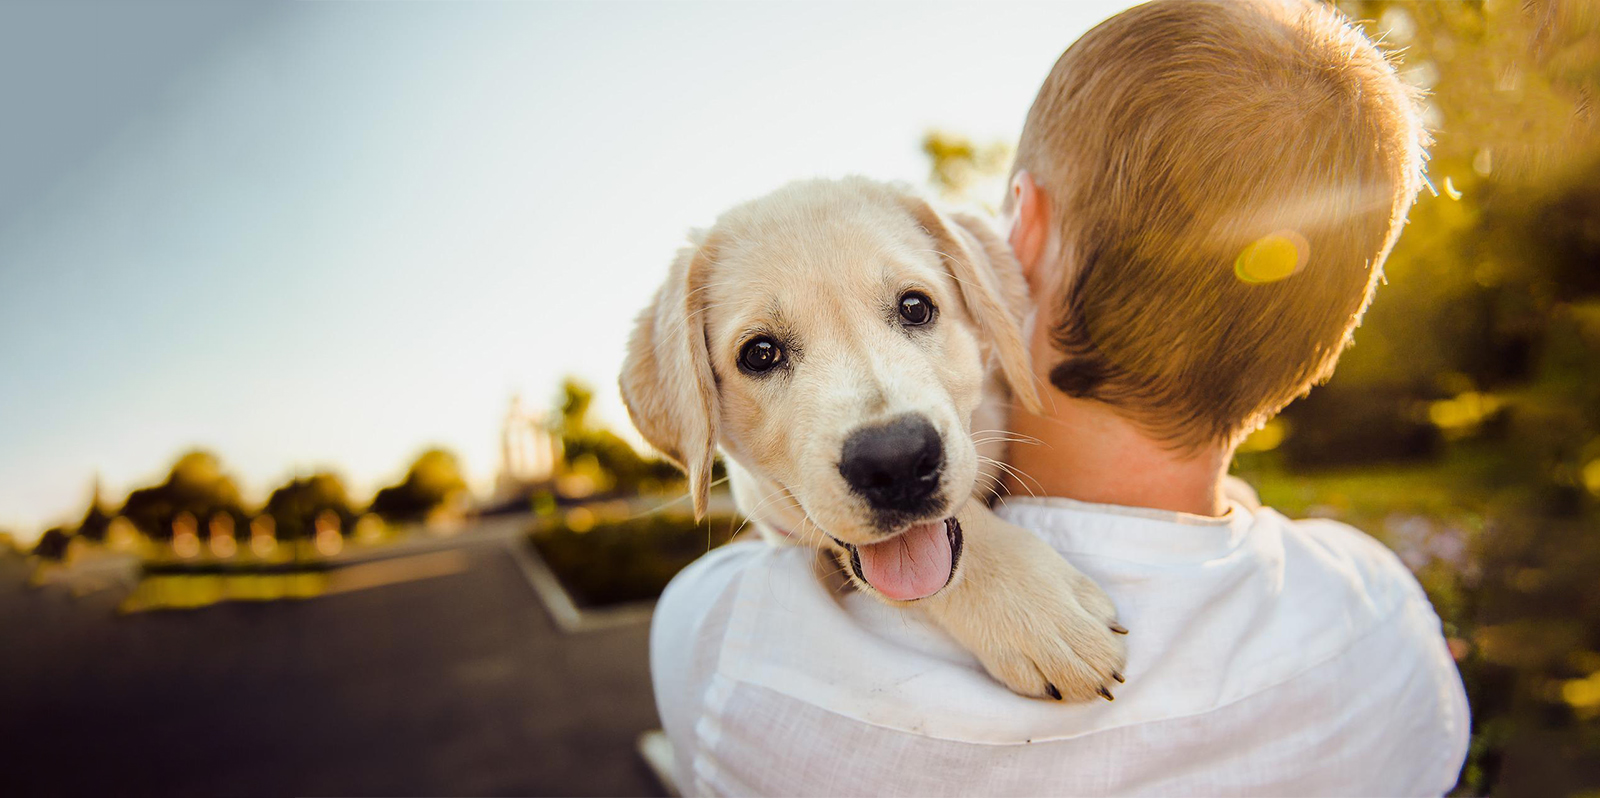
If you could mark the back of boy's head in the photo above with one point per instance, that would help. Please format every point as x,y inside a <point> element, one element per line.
<point>1227,178</point>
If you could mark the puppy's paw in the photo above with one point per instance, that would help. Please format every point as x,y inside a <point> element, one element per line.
<point>1057,640</point>
<point>1036,623</point>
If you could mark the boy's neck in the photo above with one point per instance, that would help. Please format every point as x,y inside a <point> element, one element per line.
<point>1089,453</point>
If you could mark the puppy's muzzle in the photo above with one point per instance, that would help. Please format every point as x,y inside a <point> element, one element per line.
<point>895,466</point>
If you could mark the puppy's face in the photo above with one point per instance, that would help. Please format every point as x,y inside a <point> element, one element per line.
<point>847,367</point>
<point>832,337</point>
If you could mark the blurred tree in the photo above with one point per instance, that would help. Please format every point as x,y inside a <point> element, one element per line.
<point>575,400</point>
<point>1468,295</point>
<point>96,522</point>
<point>964,171</point>
<point>1488,330</point>
<point>294,506</point>
<point>617,466</point>
<point>52,544</point>
<point>434,480</point>
<point>196,485</point>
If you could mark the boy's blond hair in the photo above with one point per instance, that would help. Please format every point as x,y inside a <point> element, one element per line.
<point>1227,178</point>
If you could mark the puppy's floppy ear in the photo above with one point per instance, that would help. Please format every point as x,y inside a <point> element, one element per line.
<point>991,285</point>
<point>666,379</point>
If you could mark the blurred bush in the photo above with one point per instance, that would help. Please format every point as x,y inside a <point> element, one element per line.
<point>196,488</point>
<point>627,559</point>
<point>296,506</point>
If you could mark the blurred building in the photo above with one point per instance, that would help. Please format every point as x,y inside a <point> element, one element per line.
<point>529,455</point>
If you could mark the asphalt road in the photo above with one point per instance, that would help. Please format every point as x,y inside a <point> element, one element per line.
<point>448,685</point>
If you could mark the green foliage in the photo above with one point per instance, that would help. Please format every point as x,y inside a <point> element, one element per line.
<point>196,485</point>
<point>631,560</point>
<point>1471,283</point>
<point>595,449</point>
<point>433,480</point>
<point>575,400</point>
<point>295,506</point>
<point>612,455</point>
<point>963,170</point>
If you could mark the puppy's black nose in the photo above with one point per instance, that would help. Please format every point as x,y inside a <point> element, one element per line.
<point>894,466</point>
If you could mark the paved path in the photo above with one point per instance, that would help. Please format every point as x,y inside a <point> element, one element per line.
<point>450,685</point>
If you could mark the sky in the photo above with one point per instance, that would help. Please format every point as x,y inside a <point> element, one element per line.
<point>331,234</point>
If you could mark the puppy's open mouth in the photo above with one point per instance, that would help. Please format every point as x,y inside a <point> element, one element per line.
<point>914,564</point>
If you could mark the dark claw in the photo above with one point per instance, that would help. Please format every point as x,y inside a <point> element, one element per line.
<point>1106,694</point>
<point>1054,693</point>
<point>1118,676</point>
<point>1118,628</point>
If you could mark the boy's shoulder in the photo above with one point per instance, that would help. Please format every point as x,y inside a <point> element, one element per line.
<point>1329,543</point>
<point>1369,572</point>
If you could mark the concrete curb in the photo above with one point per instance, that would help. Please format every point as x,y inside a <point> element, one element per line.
<point>559,603</point>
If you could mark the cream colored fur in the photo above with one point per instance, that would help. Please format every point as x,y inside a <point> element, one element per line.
<point>822,264</point>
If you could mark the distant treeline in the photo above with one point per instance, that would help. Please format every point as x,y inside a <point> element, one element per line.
<point>200,488</point>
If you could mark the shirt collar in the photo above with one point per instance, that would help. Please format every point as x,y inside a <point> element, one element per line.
<point>1129,533</point>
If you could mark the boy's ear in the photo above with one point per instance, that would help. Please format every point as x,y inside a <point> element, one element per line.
<point>1030,224</point>
<point>976,257</point>
<point>666,379</point>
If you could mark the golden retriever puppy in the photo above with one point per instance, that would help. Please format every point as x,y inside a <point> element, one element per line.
<point>837,340</point>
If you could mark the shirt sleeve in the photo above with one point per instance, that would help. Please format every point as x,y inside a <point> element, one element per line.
<point>686,632</point>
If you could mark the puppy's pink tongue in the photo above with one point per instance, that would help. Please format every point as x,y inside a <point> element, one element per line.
<point>913,564</point>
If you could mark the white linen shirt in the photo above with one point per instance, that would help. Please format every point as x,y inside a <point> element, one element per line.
<point>1266,657</point>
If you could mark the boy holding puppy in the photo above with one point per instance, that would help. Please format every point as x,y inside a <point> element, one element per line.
<point>1203,197</point>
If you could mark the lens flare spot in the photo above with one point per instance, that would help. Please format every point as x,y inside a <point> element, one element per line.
<point>1591,476</point>
<point>1271,258</point>
<point>1267,438</point>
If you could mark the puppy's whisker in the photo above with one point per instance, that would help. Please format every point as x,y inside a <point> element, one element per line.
<point>1016,436</point>
<point>992,487</point>
<point>1008,468</point>
<point>812,537</point>
<point>947,255</point>
<point>985,441</point>
<point>1016,473</point>
<point>999,435</point>
<point>750,515</point>
<point>991,438</point>
<point>772,499</point>
<point>942,254</point>
<point>1045,390</point>
<point>1021,476</point>
<point>670,502</point>
<point>989,479</point>
<point>763,503</point>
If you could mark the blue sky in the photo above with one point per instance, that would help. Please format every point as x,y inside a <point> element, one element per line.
<point>310,235</point>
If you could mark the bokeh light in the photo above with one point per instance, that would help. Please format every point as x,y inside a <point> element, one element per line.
<point>1273,257</point>
<point>185,536</point>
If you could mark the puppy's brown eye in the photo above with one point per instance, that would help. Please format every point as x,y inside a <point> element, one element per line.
<point>760,355</point>
<point>915,308</point>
